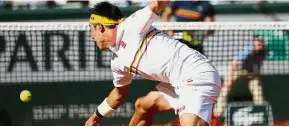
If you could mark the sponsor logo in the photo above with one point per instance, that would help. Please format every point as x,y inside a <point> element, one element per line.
<point>189,80</point>
<point>122,44</point>
<point>246,117</point>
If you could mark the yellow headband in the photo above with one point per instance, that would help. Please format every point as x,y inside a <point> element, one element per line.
<point>94,19</point>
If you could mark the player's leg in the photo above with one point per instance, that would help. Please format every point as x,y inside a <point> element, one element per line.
<point>255,86</point>
<point>192,120</point>
<point>193,109</point>
<point>154,102</point>
<point>196,99</point>
<point>146,107</point>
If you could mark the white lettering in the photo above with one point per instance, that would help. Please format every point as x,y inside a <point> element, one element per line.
<point>77,111</point>
<point>47,112</point>
<point>244,117</point>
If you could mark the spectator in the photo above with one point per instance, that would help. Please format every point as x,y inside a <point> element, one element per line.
<point>51,4</point>
<point>129,3</point>
<point>83,3</point>
<point>191,11</point>
<point>245,67</point>
<point>1,4</point>
<point>7,4</point>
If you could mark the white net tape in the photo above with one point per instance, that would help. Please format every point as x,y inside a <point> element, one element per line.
<point>160,25</point>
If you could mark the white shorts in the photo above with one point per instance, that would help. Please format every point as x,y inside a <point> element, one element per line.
<point>195,96</point>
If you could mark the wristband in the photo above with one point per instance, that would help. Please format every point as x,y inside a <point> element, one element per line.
<point>103,109</point>
<point>96,112</point>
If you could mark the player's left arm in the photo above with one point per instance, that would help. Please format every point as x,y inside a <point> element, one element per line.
<point>210,17</point>
<point>111,103</point>
<point>122,80</point>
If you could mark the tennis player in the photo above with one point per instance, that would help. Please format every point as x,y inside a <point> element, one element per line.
<point>189,84</point>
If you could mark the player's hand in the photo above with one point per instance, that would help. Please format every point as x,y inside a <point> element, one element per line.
<point>93,120</point>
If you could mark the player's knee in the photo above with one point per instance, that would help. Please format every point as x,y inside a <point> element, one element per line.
<point>138,103</point>
<point>192,120</point>
<point>145,105</point>
<point>139,107</point>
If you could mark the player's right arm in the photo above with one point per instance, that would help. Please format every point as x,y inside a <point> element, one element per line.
<point>141,21</point>
<point>166,15</point>
<point>168,11</point>
<point>157,6</point>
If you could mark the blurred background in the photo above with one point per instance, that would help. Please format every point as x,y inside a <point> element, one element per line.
<point>56,60</point>
<point>73,10</point>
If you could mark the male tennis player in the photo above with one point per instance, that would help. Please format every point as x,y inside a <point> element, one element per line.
<point>189,84</point>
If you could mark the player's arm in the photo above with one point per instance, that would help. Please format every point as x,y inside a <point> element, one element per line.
<point>141,21</point>
<point>117,96</point>
<point>111,103</point>
<point>166,15</point>
<point>169,10</point>
<point>114,99</point>
<point>157,6</point>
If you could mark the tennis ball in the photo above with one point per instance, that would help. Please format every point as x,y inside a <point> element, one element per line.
<point>25,96</point>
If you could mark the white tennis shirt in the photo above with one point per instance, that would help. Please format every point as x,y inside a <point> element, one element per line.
<point>140,49</point>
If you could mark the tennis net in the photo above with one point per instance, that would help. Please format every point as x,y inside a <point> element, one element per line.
<point>64,52</point>
<point>49,52</point>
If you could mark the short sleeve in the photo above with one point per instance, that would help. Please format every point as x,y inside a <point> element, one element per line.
<point>244,54</point>
<point>121,79</point>
<point>141,21</point>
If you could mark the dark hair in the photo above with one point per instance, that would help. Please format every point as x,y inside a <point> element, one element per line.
<point>107,10</point>
<point>258,38</point>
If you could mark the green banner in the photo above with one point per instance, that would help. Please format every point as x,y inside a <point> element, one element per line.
<point>247,114</point>
<point>276,43</point>
<point>69,103</point>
